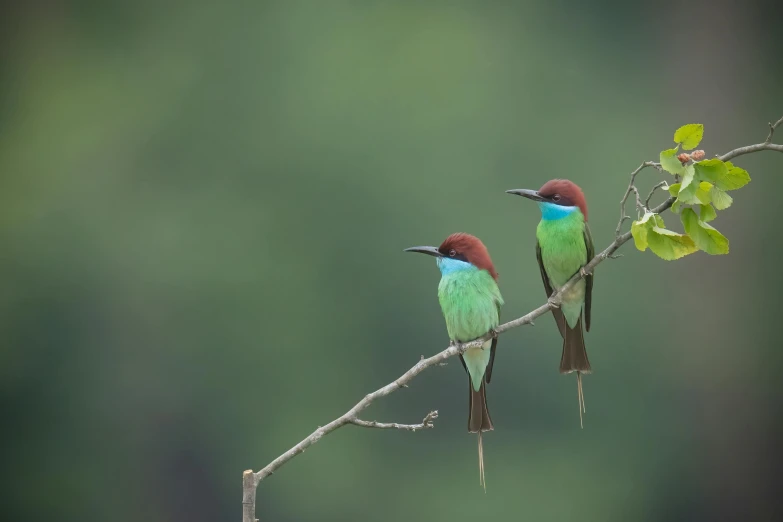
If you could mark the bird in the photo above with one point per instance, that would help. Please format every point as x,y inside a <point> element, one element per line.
<point>470,300</point>
<point>563,246</point>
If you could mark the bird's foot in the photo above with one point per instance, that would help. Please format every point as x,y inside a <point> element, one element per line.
<point>553,303</point>
<point>493,333</point>
<point>583,272</point>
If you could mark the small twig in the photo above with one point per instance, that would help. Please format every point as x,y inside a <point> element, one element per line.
<point>425,424</point>
<point>632,188</point>
<point>767,145</point>
<point>639,204</point>
<point>623,215</point>
<point>772,127</point>
<point>650,195</point>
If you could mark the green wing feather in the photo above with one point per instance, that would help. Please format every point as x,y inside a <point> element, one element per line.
<point>589,278</point>
<point>492,352</point>
<point>556,312</point>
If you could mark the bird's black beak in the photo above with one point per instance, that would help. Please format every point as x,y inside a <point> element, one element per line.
<point>430,251</point>
<point>526,193</point>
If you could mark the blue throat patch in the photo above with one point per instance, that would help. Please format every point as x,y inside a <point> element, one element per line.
<point>449,266</point>
<point>550,211</point>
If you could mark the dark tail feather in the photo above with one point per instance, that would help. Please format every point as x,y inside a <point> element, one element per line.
<point>479,419</point>
<point>574,357</point>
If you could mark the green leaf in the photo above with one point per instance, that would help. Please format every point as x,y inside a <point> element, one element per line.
<point>676,206</point>
<point>669,245</point>
<point>674,189</point>
<point>688,188</point>
<point>707,213</point>
<point>696,194</point>
<point>670,163</point>
<point>704,236</point>
<point>688,177</point>
<point>703,193</point>
<point>689,135</point>
<point>733,178</point>
<point>720,199</point>
<point>688,196</point>
<point>710,170</point>
<point>639,231</point>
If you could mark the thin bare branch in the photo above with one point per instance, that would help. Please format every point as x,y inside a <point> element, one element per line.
<point>650,195</point>
<point>425,424</point>
<point>620,225</point>
<point>772,127</point>
<point>749,149</point>
<point>250,480</point>
<point>639,204</point>
<point>631,188</point>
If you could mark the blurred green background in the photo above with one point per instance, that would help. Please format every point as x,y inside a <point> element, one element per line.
<point>203,208</point>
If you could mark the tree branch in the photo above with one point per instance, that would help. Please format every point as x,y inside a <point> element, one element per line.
<point>425,424</point>
<point>250,479</point>
<point>766,145</point>
<point>751,148</point>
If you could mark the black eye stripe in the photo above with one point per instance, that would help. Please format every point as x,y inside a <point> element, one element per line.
<point>559,199</point>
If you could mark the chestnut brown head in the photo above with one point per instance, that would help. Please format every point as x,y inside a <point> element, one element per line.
<point>558,192</point>
<point>461,247</point>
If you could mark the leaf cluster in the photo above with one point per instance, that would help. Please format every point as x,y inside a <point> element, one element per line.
<point>700,191</point>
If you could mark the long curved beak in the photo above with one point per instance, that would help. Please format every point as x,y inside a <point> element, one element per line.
<point>526,193</point>
<point>430,251</point>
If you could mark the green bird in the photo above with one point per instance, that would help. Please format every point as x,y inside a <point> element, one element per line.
<point>564,245</point>
<point>470,300</point>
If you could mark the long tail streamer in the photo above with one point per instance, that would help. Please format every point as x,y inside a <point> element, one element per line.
<point>581,395</point>
<point>482,481</point>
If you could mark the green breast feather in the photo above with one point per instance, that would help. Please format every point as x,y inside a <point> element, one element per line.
<point>563,253</point>
<point>563,248</point>
<point>470,300</point>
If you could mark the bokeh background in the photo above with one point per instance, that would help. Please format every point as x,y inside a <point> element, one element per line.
<point>202,215</point>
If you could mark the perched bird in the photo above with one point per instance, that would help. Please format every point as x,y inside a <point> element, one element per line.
<point>470,299</point>
<point>563,247</point>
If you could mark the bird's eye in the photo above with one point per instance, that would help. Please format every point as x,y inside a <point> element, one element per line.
<point>556,197</point>
<point>452,253</point>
